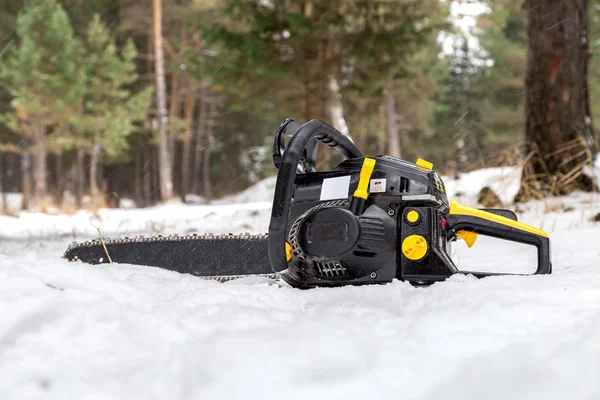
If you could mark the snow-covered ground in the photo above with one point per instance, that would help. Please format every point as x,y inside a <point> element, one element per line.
<point>75,331</point>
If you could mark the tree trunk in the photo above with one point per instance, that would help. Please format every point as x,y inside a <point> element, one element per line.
<point>336,111</point>
<point>306,101</point>
<point>173,116</point>
<point>382,129</point>
<point>207,154</point>
<point>40,172</point>
<point>155,176</point>
<point>361,137</point>
<point>147,178</point>
<point>105,186</point>
<point>80,176</point>
<point>393,142</point>
<point>94,192</point>
<point>558,131</point>
<point>2,188</point>
<point>323,161</point>
<point>138,176</point>
<point>60,178</point>
<point>26,173</point>
<point>174,111</point>
<point>199,144</point>
<point>166,179</point>
<point>147,153</point>
<point>305,50</point>
<point>190,104</point>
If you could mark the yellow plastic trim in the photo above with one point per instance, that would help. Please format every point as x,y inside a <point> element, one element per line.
<point>458,209</point>
<point>365,176</point>
<point>424,164</point>
<point>288,251</point>
<point>414,247</point>
<point>468,237</point>
<point>412,216</point>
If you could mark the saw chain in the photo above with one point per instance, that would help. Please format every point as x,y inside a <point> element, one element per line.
<point>222,257</point>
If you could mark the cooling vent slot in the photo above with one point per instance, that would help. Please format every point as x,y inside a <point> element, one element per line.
<point>331,269</point>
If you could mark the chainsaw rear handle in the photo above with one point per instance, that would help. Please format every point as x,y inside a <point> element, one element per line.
<point>463,218</point>
<point>286,176</point>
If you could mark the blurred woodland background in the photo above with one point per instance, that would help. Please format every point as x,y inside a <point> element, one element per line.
<point>156,99</point>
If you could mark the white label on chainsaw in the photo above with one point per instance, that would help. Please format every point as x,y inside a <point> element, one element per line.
<point>335,188</point>
<point>377,186</point>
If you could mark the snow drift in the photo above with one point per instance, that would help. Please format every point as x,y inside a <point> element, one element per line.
<point>71,330</point>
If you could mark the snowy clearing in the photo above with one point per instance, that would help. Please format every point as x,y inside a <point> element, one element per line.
<point>74,331</point>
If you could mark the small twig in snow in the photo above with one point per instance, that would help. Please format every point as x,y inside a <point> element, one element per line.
<point>103,244</point>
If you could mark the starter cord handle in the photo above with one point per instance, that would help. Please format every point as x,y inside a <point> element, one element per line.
<point>286,176</point>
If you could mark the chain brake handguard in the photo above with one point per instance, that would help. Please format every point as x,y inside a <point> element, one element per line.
<point>287,129</point>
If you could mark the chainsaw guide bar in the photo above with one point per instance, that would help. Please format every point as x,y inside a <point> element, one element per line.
<point>216,257</point>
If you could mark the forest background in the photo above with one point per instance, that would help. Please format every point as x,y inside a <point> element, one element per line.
<point>156,99</point>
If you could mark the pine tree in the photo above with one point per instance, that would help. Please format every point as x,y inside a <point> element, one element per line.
<point>110,109</point>
<point>414,93</point>
<point>392,73</point>
<point>500,89</point>
<point>459,139</point>
<point>41,72</point>
<point>300,47</point>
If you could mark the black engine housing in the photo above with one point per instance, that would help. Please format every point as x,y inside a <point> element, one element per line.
<point>332,246</point>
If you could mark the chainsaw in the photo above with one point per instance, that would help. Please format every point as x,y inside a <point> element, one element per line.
<point>370,220</point>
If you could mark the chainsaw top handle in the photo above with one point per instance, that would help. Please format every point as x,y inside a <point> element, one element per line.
<point>304,137</point>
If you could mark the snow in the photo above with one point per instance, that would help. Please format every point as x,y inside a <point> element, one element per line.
<point>14,201</point>
<point>247,211</point>
<point>163,219</point>
<point>71,330</point>
<point>261,191</point>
